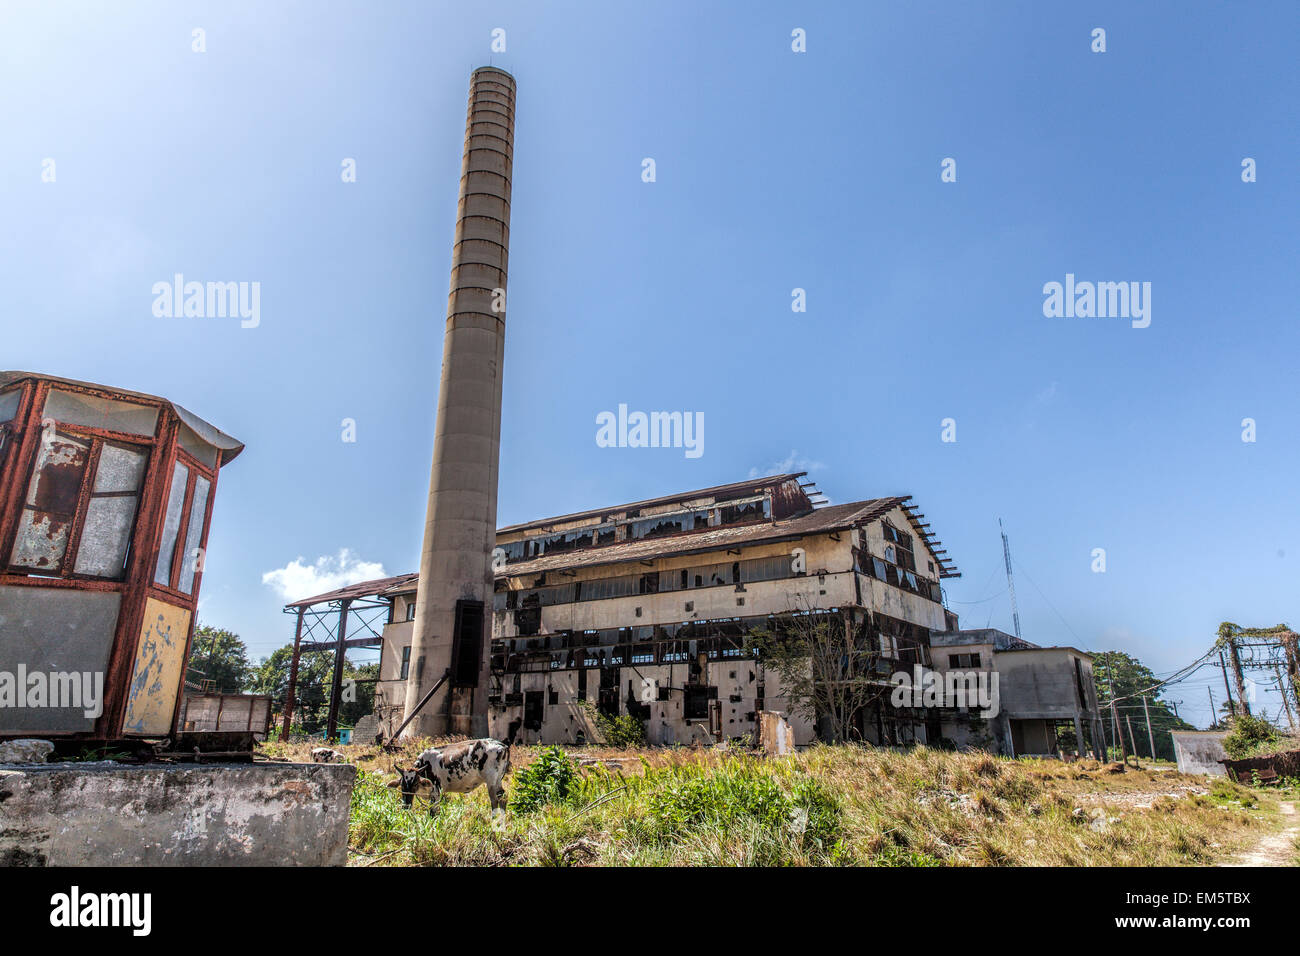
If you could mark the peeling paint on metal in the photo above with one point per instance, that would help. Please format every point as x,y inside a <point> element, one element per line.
<point>151,698</point>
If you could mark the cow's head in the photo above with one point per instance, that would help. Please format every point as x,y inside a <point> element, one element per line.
<point>409,782</point>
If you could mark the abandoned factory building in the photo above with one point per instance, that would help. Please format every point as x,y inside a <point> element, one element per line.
<point>645,609</point>
<point>651,609</point>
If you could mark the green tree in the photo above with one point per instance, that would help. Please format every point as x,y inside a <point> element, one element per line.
<point>828,670</point>
<point>271,674</point>
<point>1121,677</point>
<point>315,681</point>
<point>219,656</point>
<point>363,693</point>
<point>1251,736</point>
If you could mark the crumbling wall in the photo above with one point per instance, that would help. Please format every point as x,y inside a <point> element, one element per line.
<point>108,814</point>
<point>1200,751</point>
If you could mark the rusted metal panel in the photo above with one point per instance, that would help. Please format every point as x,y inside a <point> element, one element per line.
<point>1285,764</point>
<point>45,525</point>
<point>788,498</point>
<point>160,656</point>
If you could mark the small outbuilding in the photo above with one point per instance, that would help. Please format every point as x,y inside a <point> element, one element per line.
<point>105,501</point>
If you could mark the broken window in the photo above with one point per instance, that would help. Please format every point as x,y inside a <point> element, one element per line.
<point>9,402</point>
<point>658,526</point>
<point>80,507</point>
<point>171,525</point>
<point>514,550</point>
<point>746,511</point>
<point>190,558</point>
<point>110,511</point>
<point>766,569</point>
<point>902,550</point>
<point>406,663</point>
<point>533,709</point>
<point>45,524</point>
<point>184,528</point>
<point>695,705</point>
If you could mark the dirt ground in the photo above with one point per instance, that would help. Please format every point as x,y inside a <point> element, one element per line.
<point>1276,849</point>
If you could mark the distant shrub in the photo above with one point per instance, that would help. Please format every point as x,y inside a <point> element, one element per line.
<point>550,779</point>
<point>728,796</point>
<point>622,731</point>
<point>1250,736</point>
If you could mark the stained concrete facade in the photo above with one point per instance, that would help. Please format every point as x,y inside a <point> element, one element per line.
<point>1040,689</point>
<point>108,814</point>
<point>450,626</point>
<point>656,627</point>
<point>1200,751</point>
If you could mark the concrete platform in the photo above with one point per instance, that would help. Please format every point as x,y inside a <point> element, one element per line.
<point>109,814</point>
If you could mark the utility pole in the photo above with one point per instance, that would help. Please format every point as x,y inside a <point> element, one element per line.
<point>1114,719</point>
<point>1214,714</point>
<point>1129,720</point>
<point>1291,648</point>
<point>1110,692</point>
<point>1281,686</point>
<point>1235,652</point>
<point>1232,707</point>
<point>1151,741</point>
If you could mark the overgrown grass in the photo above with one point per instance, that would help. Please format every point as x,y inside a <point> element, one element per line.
<point>838,805</point>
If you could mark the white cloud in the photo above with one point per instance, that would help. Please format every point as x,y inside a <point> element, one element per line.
<point>790,463</point>
<point>297,580</point>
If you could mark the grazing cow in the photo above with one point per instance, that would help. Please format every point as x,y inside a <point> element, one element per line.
<point>326,755</point>
<point>459,768</point>
<point>408,781</point>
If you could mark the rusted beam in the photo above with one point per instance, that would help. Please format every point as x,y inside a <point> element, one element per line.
<point>340,658</point>
<point>313,647</point>
<point>293,678</point>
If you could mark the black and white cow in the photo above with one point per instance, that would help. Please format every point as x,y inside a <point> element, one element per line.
<point>459,768</point>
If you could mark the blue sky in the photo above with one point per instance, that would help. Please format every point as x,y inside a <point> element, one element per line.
<point>775,170</point>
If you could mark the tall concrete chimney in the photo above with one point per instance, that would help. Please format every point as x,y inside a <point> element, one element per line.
<point>453,610</point>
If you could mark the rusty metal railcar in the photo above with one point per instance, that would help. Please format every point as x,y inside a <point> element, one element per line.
<point>105,504</point>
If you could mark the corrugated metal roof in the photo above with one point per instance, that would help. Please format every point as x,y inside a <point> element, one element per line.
<point>820,521</point>
<point>359,590</point>
<point>736,487</point>
<point>830,518</point>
